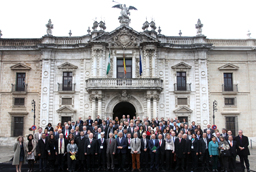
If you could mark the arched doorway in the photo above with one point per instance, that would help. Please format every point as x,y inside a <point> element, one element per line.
<point>124,108</point>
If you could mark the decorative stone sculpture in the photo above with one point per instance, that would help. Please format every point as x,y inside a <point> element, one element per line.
<point>153,25</point>
<point>199,26</point>
<point>49,26</point>
<point>70,33</point>
<point>1,34</point>
<point>145,26</point>
<point>102,25</point>
<point>89,30</point>
<point>180,33</point>
<point>95,26</point>
<point>124,18</point>
<point>159,30</point>
<point>248,34</point>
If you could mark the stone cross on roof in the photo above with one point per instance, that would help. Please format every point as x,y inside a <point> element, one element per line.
<point>1,34</point>
<point>70,33</point>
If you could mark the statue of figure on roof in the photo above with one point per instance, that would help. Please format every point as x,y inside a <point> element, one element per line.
<point>49,26</point>
<point>124,18</point>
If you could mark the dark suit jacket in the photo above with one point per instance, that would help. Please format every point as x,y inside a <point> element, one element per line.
<point>42,148</point>
<point>143,146</point>
<point>162,147</point>
<point>99,121</point>
<point>205,130</point>
<point>232,149</point>
<point>196,145</point>
<point>104,144</point>
<point>93,149</point>
<point>151,145</point>
<point>180,148</point>
<point>89,121</point>
<point>202,145</point>
<point>131,131</point>
<point>243,143</point>
<point>123,144</point>
<point>187,146</point>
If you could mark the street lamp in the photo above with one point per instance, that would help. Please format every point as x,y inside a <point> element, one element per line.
<point>214,108</point>
<point>33,103</point>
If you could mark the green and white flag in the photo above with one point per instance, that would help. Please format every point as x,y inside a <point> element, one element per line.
<point>108,65</point>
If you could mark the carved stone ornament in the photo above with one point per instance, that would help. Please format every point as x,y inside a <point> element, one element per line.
<point>124,96</point>
<point>20,66</point>
<point>181,65</point>
<point>66,109</point>
<point>183,109</point>
<point>67,65</point>
<point>124,38</point>
<point>228,66</point>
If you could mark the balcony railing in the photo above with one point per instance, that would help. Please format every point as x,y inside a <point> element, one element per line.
<point>182,89</point>
<point>230,89</point>
<point>131,83</point>
<point>70,88</point>
<point>19,88</point>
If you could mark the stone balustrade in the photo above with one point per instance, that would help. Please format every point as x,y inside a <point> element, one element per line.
<point>119,83</point>
<point>20,42</point>
<point>231,42</point>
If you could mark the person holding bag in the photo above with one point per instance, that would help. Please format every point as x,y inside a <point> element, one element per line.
<point>224,153</point>
<point>72,150</point>
<point>30,147</point>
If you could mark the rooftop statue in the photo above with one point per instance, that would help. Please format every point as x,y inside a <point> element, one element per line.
<point>124,18</point>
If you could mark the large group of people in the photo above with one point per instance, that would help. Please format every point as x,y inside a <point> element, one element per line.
<point>131,144</point>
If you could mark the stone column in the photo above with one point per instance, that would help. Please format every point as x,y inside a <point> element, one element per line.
<point>134,66</point>
<point>147,64</point>
<point>155,99</point>
<point>95,66</point>
<point>154,65</point>
<point>149,107</point>
<point>93,107</point>
<point>100,66</point>
<point>99,106</point>
<point>114,66</point>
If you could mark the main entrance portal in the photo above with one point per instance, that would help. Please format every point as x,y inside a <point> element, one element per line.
<point>124,108</point>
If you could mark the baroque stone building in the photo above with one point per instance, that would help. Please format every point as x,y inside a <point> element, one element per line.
<point>181,77</point>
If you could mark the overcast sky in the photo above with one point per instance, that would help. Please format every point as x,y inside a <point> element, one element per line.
<point>221,18</point>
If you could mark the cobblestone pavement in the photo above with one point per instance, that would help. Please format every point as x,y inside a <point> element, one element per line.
<point>7,152</point>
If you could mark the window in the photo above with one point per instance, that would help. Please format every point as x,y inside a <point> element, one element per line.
<point>120,68</point>
<point>67,81</point>
<point>182,101</point>
<point>18,126</point>
<point>20,82</point>
<point>181,81</point>
<point>66,101</point>
<point>65,119</point>
<point>229,101</point>
<point>231,124</point>
<point>19,101</point>
<point>228,82</point>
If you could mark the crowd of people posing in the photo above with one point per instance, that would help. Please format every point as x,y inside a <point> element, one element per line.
<point>130,144</point>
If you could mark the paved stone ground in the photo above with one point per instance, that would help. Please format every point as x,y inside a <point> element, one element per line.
<point>6,153</point>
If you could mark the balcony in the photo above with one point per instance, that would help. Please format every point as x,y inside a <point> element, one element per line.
<point>66,89</point>
<point>19,89</point>
<point>182,89</point>
<point>230,89</point>
<point>120,83</point>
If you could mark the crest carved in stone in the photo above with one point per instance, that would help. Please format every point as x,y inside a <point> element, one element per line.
<point>124,38</point>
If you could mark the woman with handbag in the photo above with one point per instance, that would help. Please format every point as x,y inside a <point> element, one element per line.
<point>214,153</point>
<point>19,153</point>
<point>72,150</point>
<point>30,147</point>
<point>224,153</point>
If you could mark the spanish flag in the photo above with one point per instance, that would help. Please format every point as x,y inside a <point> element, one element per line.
<point>124,64</point>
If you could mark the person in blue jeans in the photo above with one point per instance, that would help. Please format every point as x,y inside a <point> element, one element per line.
<point>214,153</point>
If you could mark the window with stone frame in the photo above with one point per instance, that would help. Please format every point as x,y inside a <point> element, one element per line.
<point>66,101</point>
<point>182,101</point>
<point>229,101</point>
<point>19,101</point>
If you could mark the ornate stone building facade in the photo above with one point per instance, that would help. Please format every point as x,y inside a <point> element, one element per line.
<point>181,77</point>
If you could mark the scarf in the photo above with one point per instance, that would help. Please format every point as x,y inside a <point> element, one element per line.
<point>63,146</point>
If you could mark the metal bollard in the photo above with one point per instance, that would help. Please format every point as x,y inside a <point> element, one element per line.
<point>251,143</point>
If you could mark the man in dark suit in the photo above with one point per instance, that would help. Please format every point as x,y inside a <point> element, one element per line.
<point>180,144</point>
<point>80,141</point>
<point>161,151</point>
<point>131,129</point>
<point>128,154</point>
<point>60,151</point>
<point>104,127</point>
<point>232,157</point>
<point>121,144</point>
<point>153,149</point>
<point>99,121</point>
<point>109,130</point>
<point>42,152</point>
<point>204,153</point>
<point>209,128</point>
<point>111,151</point>
<point>242,149</point>
<point>187,158</point>
<point>90,150</point>
<point>101,149</point>
<point>144,152</point>
<point>89,121</point>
